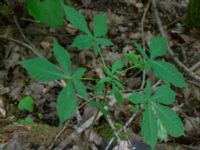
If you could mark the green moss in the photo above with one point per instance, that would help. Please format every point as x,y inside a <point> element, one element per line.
<point>193,14</point>
<point>41,134</point>
<point>106,132</point>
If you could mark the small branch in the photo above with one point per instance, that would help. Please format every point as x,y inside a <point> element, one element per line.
<point>22,44</point>
<point>90,129</point>
<point>143,40</point>
<point>110,122</point>
<point>31,46</point>
<point>195,66</point>
<point>177,61</point>
<point>123,128</point>
<point>82,128</point>
<point>142,22</point>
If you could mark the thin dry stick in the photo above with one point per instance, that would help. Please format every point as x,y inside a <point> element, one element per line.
<point>20,43</point>
<point>33,49</point>
<point>143,40</point>
<point>57,136</point>
<point>177,61</point>
<point>195,66</point>
<point>142,22</point>
<point>82,128</point>
<point>123,128</point>
<point>90,130</point>
<point>25,38</point>
<point>110,122</point>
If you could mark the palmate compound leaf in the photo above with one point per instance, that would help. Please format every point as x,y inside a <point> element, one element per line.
<point>42,70</point>
<point>62,56</point>
<point>82,41</point>
<point>78,84</point>
<point>49,12</point>
<point>158,47</point>
<point>66,104</point>
<point>164,95</point>
<point>76,19</point>
<point>100,25</point>
<point>168,73</point>
<point>149,126</point>
<point>170,120</point>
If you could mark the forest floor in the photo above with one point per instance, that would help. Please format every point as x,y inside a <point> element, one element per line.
<point>125,24</point>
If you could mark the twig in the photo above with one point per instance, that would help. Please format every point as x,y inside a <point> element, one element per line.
<point>82,128</point>
<point>33,49</point>
<point>143,40</point>
<point>90,130</point>
<point>22,44</point>
<point>57,136</point>
<point>110,122</point>
<point>195,66</point>
<point>178,62</point>
<point>142,23</point>
<point>123,128</point>
<point>143,79</point>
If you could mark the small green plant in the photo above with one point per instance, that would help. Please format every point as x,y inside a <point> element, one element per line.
<point>27,104</point>
<point>67,99</point>
<point>162,69</point>
<point>158,119</point>
<point>154,110</point>
<point>89,39</point>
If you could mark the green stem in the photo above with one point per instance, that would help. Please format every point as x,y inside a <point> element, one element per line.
<point>132,67</point>
<point>103,62</point>
<point>90,79</point>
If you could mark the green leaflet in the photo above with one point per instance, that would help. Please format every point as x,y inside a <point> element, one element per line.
<point>117,65</point>
<point>148,89</point>
<point>66,103</point>
<point>149,126</point>
<point>104,42</point>
<point>42,70</point>
<point>78,84</point>
<point>100,25</point>
<point>49,12</point>
<point>158,47</point>
<point>26,104</point>
<point>117,94</point>
<point>63,57</point>
<point>164,95</point>
<point>162,133</point>
<point>168,73</point>
<point>82,41</point>
<point>78,73</point>
<point>80,88</point>
<point>141,50</point>
<point>134,58</point>
<point>96,48</point>
<point>76,19</point>
<point>170,120</point>
<point>137,98</point>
